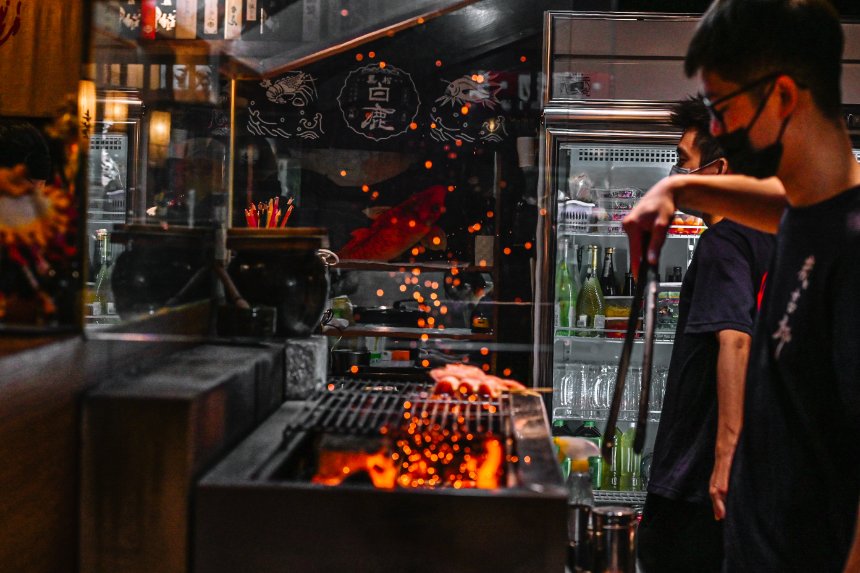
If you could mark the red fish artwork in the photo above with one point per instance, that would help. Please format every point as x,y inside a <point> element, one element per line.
<point>398,228</point>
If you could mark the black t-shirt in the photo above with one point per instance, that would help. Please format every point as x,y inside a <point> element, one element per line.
<point>719,293</point>
<point>795,483</point>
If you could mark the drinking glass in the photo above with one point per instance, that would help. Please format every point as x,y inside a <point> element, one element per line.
<point>578,374</point>
<point>591,387</point>
<point>658,388</point>
<point>630,404</point>
<point>607,378</point>
<point>561,384</point>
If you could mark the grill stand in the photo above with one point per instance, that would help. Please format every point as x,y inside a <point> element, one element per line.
<point>248,518</point>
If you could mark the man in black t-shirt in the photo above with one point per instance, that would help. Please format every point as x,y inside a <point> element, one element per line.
<point>770,70</point>
<point>704,393</point>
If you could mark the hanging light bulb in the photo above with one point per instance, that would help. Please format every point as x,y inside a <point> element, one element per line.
<point>159,134</point>
<point>86,107</point>
<point>116,107</point>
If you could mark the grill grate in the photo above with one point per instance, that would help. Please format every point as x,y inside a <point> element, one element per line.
<point>622,155</point>
<point>605,497</point>
<point>458,415</point>
<point>369,407</point>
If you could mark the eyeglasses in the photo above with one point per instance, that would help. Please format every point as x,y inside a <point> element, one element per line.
<point>678,170</point>
<point>711,105</point>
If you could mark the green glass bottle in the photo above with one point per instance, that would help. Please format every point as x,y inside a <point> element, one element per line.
<point>612,474</point>
<point>629,461</point>
<point>590,306</point>
<point>589,431</point>
<point>565,290</point>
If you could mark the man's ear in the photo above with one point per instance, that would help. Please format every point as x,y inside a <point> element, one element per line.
<point>787,92</point>
<point>716,167</point>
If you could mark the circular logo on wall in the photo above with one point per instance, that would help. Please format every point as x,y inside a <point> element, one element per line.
<point>379,101</point>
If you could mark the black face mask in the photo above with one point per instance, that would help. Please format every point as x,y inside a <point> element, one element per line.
<point>760,163</point>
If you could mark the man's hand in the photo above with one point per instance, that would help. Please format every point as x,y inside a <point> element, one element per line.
<point>720,484</point>
<point>652,214</point>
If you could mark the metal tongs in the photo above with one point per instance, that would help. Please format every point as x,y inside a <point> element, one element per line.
<point>646,288</point>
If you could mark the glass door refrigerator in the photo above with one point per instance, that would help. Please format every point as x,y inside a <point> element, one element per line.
<point>609,84</point>
<point>607,138</point>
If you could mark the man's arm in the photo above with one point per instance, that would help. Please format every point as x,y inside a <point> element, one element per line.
<point>756,203</point>
<point>731,378</point>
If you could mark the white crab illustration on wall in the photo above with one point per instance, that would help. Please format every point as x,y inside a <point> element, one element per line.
<point>475,89</point>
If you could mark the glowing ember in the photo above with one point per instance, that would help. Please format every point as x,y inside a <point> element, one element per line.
<point>336,466</point>
<point>431,439</point>
<point>438,456</point>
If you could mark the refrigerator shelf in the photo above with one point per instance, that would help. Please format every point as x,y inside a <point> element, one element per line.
<point>622,235</point>
<point>663,337</point>
<point>609,497</point>
<point>600,415</point>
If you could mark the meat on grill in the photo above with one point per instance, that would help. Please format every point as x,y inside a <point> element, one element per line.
<point>465,379</point>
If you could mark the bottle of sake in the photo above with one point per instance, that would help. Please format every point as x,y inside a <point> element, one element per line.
<point>590,306</point>
<point>565,290</point>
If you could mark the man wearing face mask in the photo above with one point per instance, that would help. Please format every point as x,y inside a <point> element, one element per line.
<point>702,407</point>
<point>771,72</point>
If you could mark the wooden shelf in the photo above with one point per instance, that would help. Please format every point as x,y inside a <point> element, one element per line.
<point>426,266</point>
<point>409,333</point>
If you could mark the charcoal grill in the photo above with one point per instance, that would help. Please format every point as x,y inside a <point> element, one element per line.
<point>265,508</point>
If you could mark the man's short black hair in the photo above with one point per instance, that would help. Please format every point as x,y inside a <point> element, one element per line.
<point>21,142</point>
<point>691,113</point>
<point>743,40</point>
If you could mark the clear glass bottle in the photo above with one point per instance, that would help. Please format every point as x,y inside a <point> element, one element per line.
<point>580,502</point>
<point>104,293</point>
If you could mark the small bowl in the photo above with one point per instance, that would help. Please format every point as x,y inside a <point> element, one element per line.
<point>344,359</point>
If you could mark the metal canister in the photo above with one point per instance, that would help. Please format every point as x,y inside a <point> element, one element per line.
<point>614,539</point>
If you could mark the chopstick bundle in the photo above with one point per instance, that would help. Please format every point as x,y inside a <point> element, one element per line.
<point>268,215</point>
